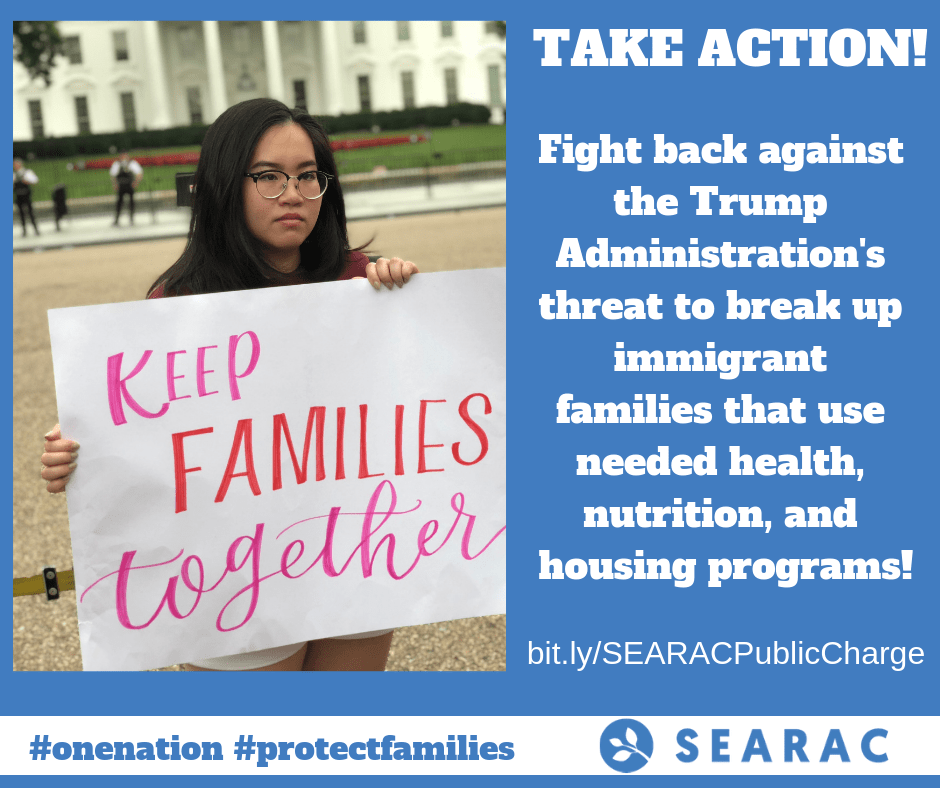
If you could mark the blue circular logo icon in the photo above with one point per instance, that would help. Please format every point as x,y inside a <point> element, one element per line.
<point>626,745</point>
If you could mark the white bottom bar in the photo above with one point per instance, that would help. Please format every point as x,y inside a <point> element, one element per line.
<point>472,745</point>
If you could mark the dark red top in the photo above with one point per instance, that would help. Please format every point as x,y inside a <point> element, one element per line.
<point>355,266</point>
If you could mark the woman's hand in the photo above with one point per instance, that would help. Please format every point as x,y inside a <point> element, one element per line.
<point>390,272</point>
<point>58,461</point>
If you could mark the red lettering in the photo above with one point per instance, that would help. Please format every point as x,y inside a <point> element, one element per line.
<point>422,462</point>
<point>340,431</point>
<point>363,444</point>
<point>464,412</point>
<point>242,435</point>
<point>316,418</point>
<point>399,433</point>
<point>179,466</point>
<point>316,414</point>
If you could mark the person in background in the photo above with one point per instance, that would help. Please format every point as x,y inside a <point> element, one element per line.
<point>23,180</point>
<point>59,206</point>
<point>126,175</point>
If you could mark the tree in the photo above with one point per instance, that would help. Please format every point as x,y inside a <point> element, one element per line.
<point>36,45</point>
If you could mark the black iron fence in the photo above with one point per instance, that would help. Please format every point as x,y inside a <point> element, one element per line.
<point>157,191</point>
<point>414,158</point>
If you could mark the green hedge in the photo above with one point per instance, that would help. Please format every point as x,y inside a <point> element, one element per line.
<point>407,118</point>
<point>93,145</point>
<point>96,144</point>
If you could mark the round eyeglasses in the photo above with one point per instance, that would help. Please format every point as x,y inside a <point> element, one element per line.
<point>271,184</point>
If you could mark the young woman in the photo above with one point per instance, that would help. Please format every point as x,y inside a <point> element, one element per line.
<point>267,211</point>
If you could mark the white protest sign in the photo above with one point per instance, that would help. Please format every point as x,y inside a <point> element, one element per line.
<point>271,466</point>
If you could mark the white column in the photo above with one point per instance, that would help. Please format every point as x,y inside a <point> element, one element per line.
<point>272,61</point>
<point>332,78</point>
<point>159,95</point>
<point>217,100</point>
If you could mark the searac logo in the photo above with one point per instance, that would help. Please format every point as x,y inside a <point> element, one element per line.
<point>626,745</point>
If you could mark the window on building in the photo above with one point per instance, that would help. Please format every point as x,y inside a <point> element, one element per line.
<point>186,37</point>
<point>365,94</point>
<point>81,115</point>
<point>194,104</point>
<point>496,95</point>
<point>300,94</point>
<point>120,45</point>
<point>403,31</point>
<point>293,35</point>
<point>35,119</point>
<point>359,32</point>
<point>241,38</point>
<point>246,82</point>
<point>450,85</point>
<point>72,48</point>
<point>491,27</point>
<point>408,89</point>
<point>447,29</point>
<point>128,112</point>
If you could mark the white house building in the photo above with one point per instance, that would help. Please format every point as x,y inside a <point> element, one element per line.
<point>117,76</point>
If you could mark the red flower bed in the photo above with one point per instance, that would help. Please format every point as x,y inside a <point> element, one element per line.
<point>168,159</point>
<point>375,142</point>
<point>191,159</point>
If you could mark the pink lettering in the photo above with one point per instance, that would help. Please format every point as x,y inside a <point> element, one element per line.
<point>456,504</point>
<point>244,554</point>
<point>124,573</point>
<point>254,587</point>
<point>171,378</point>
<point>233,376</point>
<point>201,371</point>
<point>118,393</point>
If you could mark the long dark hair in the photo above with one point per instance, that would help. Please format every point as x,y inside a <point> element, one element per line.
<point>222,255</point>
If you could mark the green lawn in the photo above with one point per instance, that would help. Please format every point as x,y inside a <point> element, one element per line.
<point>452,145</point>
<point>447,146</point>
